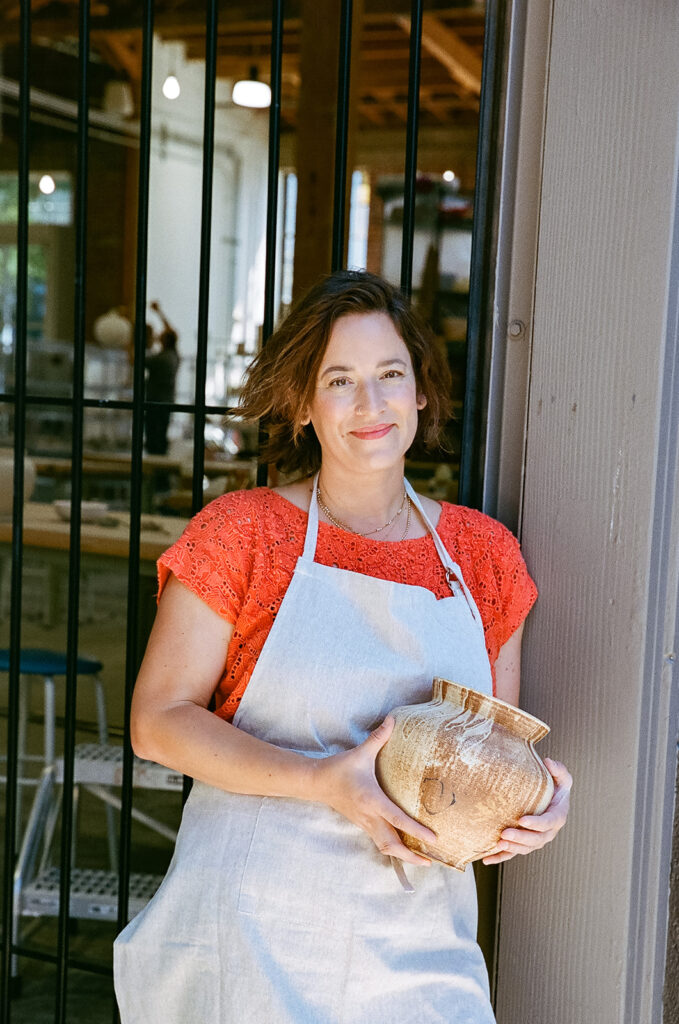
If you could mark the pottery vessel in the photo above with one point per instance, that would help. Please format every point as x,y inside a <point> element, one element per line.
<point>463,764</point>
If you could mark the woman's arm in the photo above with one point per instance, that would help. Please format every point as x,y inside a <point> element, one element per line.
<point>171,724</point>
<point>508,669</point>
<point>536,830</point>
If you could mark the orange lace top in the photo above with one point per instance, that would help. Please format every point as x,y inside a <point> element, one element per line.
<point>238,554</point>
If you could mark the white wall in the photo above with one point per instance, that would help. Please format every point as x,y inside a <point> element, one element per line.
<point>238,212</point>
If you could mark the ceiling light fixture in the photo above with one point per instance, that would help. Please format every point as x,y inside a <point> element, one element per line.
<point>47,184</point>
<point>449,175</point>
<point>250,92</point>
<point>171,87</point>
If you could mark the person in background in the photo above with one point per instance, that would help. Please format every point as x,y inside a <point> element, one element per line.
<point>161,376</point>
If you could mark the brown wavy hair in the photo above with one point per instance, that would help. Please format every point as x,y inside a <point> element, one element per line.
<point>281,380</point>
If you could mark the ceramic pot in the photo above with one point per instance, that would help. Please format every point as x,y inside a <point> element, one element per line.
<point>463,764</point>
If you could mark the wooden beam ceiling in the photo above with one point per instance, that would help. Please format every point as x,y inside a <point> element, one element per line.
<point>452,45</point>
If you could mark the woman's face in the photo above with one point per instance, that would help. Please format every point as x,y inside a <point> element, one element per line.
<point>365,405</point>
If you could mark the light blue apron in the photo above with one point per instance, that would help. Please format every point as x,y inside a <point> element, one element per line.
<point>280,911</point>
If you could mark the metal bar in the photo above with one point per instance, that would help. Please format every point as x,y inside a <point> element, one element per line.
<point>132,642</point>
<point>342,135</point>
<point>274,161</point>
<point>410,184</point>
<point>72,629</point>
<point>483,240</point>
<point>10,852</point>
<point>211,29</point>
<point>112,403</point>
<point>51,958</point>
<point>272,196</point>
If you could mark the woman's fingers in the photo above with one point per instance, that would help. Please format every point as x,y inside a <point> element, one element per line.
<point>536,830</point>
<point>559,773</point>
<point>389,843</point>
<point>393,814</point>
<point>378,737</point>
<point>349,785</point>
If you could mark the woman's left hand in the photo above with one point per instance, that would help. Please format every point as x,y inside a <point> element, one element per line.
<point>536,830</point>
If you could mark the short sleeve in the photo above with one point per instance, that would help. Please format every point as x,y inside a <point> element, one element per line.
<point>516,590</point>
<point>213,556</point>
<point>494,569</point>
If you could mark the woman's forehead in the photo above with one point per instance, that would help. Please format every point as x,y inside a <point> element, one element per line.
<point>364,335</point>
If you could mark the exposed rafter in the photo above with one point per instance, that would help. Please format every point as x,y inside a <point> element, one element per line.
<point>452,44</point>
<point>461,61</point>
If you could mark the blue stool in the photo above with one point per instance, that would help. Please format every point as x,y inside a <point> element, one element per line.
<point>48,664</point>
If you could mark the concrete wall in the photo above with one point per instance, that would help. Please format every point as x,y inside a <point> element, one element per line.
<point>583,925</point>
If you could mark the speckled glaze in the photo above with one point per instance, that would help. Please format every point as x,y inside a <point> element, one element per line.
<point>463,764</point>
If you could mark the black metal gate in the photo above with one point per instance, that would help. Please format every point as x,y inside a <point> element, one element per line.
<point>19,400</point>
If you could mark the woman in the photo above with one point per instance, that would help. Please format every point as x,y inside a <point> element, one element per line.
<point>308,612</point>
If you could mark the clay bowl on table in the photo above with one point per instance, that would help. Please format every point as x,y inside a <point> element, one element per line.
<point>463,764</point>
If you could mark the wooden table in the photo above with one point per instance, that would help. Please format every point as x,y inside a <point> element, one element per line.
<point>105,549</point>
<point>43,528</point>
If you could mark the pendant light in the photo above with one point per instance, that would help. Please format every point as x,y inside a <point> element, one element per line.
<point>171,87</point>
<point>250,92</point>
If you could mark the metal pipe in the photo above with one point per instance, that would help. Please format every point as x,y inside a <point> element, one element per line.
<point>410,183</point>
<point>10,853</point>
<point>342,136</point>
<point>132,639</point>
<point>61,402</point>
<point>72,629</point>
<point>272,197</point>
<point>211,29</point>
<point>482,255</point>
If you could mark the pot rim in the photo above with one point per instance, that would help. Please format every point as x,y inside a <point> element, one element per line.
<point>499,710</point>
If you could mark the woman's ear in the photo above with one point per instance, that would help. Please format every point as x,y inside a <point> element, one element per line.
<point>305,420</point>
<point>421,401</point>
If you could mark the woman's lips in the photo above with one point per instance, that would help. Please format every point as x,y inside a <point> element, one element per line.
<point>373,433</point>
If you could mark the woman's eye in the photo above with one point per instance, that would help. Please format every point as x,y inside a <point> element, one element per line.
<point>390,374</point>
<point>339,382</point>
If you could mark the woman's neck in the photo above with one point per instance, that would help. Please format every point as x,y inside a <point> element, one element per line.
<point>362,501</point>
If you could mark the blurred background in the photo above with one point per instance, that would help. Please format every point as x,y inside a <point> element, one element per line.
<point>450,53</point>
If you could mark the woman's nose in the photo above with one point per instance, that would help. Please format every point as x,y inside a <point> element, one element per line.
<point>370,398</point>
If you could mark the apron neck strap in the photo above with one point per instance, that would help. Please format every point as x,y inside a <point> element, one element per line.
<point>453,571</point>
<point>312,524</point>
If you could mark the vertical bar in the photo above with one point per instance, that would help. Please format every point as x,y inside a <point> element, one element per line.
<point>342,136</point>
<point>412,125</point>
<point>480,283</point>
<point>76,495</point>
<point>18,511</point>
<point>272,194</point>
<point>205,240</point>
<point>274,161</point>
<point>132,638</point>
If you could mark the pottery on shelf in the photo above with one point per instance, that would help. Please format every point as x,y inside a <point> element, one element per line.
<point>463,764</point>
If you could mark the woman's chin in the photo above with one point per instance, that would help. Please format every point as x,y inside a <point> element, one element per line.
<point>370,461</point>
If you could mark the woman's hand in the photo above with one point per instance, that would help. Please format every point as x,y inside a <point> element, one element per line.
<point>536,830</point>
<point>347,783</point>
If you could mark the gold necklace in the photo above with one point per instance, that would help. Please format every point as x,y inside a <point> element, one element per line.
<point>342,526</point>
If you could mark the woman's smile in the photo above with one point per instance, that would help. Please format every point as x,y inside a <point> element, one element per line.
<point>372,433</point>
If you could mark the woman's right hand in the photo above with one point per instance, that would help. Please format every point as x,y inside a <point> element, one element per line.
<point>347,783</point>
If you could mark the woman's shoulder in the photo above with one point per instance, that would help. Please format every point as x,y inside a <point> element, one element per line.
<point>259,511</point>
<point>473,528</point>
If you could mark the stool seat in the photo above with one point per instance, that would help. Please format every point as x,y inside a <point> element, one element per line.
<point>36,662</point>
